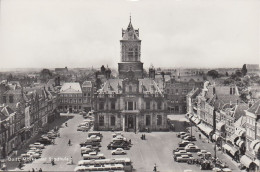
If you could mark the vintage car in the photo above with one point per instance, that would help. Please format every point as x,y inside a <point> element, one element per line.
<point>118,151</point>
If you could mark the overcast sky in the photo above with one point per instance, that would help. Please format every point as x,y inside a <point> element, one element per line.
<point>85,33</point>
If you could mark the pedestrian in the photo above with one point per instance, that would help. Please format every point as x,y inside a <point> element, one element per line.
<point>69,142</point>
<point>71,160</point>
<point>144,136</point>
<point>155,168</point>
<point>130,141</point>
<point>40,170</point>
<point>33,170</point>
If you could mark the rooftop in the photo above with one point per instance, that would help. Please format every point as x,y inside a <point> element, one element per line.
<point>71,87</point>
<point>255,108</point>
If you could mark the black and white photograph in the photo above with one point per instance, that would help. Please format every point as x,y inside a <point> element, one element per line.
<point>130,85</point>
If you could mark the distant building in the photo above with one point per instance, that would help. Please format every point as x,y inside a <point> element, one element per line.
<point>70,97</point>
<point>252,68</point>
<point>61,70</point>
<point>87,90</point>
<point>177,89</point>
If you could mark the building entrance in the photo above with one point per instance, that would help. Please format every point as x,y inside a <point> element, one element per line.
<point>130,122</point>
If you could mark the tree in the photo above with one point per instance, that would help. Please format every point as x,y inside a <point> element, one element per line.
<point>226,73</point>
<point>213,73</point>
<point>239,73</point>
<point>103,69</point>
<point>244,70</point>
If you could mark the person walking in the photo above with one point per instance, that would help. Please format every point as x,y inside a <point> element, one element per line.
<point>40,170</point>
<point>155,168</point>
<point>33,170</point>
<point>69,142</point>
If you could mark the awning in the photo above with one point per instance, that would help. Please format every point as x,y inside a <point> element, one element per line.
<point>205,128</point>
<point>216,137</point>
<point>220,125</point>
<point>197,121</point>
<point>257,147</point>
<point>234,138</point>
<point>227,147</point>
<point>240,132</point>
<point>240,143</point>
<point>253,144</point>
<point>246,161</point>
<point>233,151</point>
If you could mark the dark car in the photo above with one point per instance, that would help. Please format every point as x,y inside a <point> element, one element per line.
<point>178,149</point>
<point>183,143</point>
<point>96,144</point>
<point>190,138</point>
<point>44,141</point>
<point>114,146</point>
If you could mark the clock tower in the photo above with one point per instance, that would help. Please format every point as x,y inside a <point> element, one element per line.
<point>130,53</point>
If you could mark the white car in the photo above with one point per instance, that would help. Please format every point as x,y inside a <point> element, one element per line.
<point>37,145</point>
<point>34,149</point>
<point>34,154</point>
<point>192,148</point>
<point>119,138</point>
<point>117,134</point>
<point>118,151</point>
<point>93,155</point>
<point>184,158</point>
<point>200,153</point>
<point>94,138</point>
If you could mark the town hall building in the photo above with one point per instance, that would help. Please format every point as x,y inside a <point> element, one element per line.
<point>131,102</point>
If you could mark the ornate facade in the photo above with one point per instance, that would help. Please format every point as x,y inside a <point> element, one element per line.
<point>131,102</point>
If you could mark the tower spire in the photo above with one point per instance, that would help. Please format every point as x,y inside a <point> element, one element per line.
<point>130,17</point>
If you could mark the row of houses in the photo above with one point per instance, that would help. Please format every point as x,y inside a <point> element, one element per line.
<point>225,119</point>
<point>24,112</point>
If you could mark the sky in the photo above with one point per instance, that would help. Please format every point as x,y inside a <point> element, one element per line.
<point>86,33</point>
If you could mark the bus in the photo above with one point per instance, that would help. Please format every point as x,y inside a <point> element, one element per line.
<point>126,162</point>
<point>96,168</point>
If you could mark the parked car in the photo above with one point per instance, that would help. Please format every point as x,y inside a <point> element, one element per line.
<point>26,158</point>
<point>93,155</point>
<point>184,158</point>
<point>201,152</point>
<point>192,148</point>
<point>184,135</point>
<point>85,150</point>
<point>119,137</point>
<point>124,146</point>
<point>94,138</point>
<point>34,154</point>
<point>183,143</point>
<point>181,152</point>
<point>82,128</point>
<point>190,138</point>
<point>45,141</point>
<point>97,144</point>
<point>95,133</point>
<point>118,151</point>
<point>37,145</point>
<point>36,150</point>
<point>117,134</point>
<point>180,134</point>
<point>178,149</point>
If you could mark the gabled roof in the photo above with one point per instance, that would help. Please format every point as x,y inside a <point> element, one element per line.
<point>255,108</point>
<point>71,87</point>
<point>3,116</point>
<point>112,86</point>
<point>240,110</point>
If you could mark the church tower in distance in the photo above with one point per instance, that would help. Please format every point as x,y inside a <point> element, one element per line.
<point>130,53</point>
